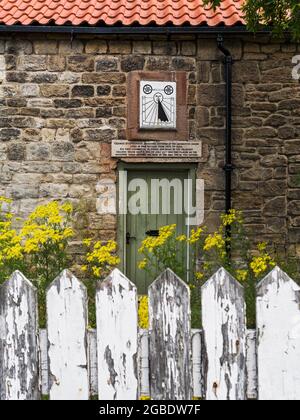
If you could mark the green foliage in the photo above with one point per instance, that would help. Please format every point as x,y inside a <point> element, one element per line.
<point>281,15</point>
<point>38,247</point>
<point>44,238</point>
<point>161,252</point>
<point>99,261</point>
<point>288,262</point>
<point>245,261</point>
<point>11,252</point>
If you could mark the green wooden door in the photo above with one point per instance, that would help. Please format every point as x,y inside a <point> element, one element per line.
<point>148,209</point>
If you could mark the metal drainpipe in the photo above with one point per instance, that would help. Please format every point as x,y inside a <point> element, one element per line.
<point>228,167</point>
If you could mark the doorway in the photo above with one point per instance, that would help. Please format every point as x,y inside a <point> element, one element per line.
<point>152,196</point>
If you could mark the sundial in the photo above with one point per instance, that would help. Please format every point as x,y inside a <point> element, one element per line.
<point>157,105</point>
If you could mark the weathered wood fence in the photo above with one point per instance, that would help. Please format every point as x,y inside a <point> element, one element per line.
<point>168,361</point>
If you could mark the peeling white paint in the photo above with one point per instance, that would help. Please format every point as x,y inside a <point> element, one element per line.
<point>117,338</point>
<point>144,371</point>
<point>219,362</point>
<point>93,365</point>
<point>251,365</point>
<point>44,377</point>
<point>278,337</point>
<point>224,325</point>
<point>197,362</point>
<point>170,343</point>
<point>67,339</point>
<point>18,340</point>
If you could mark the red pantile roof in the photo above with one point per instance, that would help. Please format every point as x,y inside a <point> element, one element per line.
<point>125,12</point>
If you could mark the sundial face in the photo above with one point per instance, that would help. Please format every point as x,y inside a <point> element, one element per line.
<point>157,105</point>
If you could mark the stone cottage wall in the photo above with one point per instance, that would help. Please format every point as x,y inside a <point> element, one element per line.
<point>63,101</point>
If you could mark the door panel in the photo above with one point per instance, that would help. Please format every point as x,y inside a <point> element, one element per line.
<point>138,224</point>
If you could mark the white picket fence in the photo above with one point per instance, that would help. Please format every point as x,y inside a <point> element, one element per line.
<point>169,361</point>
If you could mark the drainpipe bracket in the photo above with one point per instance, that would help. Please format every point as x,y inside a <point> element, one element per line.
<point>228,167</point>
<point>228,59</point>
<point>220,39</point>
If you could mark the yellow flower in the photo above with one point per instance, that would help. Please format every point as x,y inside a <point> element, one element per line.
<point>145,397</point>
<point>96,271</point>
<point>262,246</point>
<point>84,267</point>
<point>101,259</point>
<point>142,264</point>
<point>214,241</point>
<point>231,217</point>
<point>195,235</point>
<point>67,208</point>
<point>87,242</point>
<point>261,263</point>
<point>181,238</point>
<point>152,242</point>
<point>241,275</point>
<point>5,200</point>
<point>143,315</point>
<point>199,275</point>
<point>67,233</point>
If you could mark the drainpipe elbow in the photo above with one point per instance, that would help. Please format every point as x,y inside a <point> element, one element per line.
<point>225,51</point>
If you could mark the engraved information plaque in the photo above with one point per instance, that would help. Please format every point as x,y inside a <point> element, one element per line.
<point>191,150</point>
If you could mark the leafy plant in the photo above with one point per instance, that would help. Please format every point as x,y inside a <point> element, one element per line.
<point>160,252</point>
<point>11,251</point>
<point>100,260</point>
<point>210,252</point>
<point>45,236</point>
<point>280,15</point>
<point>143,315</point>
<point>38,248</point>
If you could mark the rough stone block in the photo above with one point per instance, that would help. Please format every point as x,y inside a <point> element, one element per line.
<point>103,90</point>
<point>117,47</point>
<point>56,63</point>
<point>142,47</point>
<point>83,90</point>
<point>32,62</point>
<point>96,46</point>
<point>70,47</point>
<point>80,63</point>
<point>54,90</point>
<point>62,151</point>
<point>45,46</point>
<point>106,64</point>
<point>132,62</point>
<point>16,151</point>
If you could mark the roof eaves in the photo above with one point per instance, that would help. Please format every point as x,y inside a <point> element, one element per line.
<point>130,30</point>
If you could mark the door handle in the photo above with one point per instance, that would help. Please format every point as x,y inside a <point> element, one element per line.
<point>128,237</point>
<point>152,232</point>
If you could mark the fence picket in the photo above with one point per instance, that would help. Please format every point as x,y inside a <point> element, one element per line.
<point>224,325</point>
<point>44,377</point>
<point>117,338</point>
<point>170,338</point>
<point>197,363</point>
<point>251,365</point>
<point>278,337</point>
<point>143,350</point>
<point>93,367</point>
<point>67,338</point>
<point>19,363</point>
<point>168,361</point>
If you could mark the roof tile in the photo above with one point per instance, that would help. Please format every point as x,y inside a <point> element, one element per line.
<point>126,12</point>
